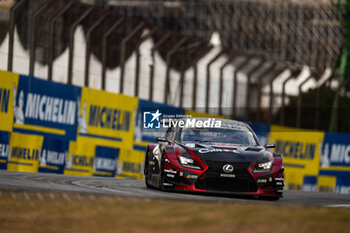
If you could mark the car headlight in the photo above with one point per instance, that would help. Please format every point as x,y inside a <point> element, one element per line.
<point>185,161</point>
<point>265,166</point>
<point>188,162</point>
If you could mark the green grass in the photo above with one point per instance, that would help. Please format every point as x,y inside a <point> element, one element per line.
<point>26,212</point>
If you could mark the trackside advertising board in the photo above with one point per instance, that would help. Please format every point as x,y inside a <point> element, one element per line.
<point>46,108</point>
<point>335,162</point>
<point>58,128</point>
<point>8,85</point>
<point>8,88</point>
<point>25,152</point>
<point>45,119</point>
<point>105,134</point>
<point>300,150</point>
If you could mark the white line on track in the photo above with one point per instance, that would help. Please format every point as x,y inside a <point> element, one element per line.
<point>27,197</point>
<point>92,197</point>
<point>52,195</point>
<point>79,197</point>
<point>40,196</point>
<point>66,197</point>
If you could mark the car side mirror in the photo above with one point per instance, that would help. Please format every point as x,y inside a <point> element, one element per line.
<point>160,139</point>
<point>268,146</point>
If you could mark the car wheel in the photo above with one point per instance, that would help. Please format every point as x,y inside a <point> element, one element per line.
<point>146,182</point>
<point>161,174</point>
<point>146,173</point>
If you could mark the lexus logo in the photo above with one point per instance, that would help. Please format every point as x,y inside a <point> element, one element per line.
<point>228,168</point>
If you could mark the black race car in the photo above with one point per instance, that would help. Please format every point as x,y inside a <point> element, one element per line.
<point>220,158</point>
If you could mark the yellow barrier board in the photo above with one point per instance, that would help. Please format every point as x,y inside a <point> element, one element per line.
<point>107,116</point>
<point>326,183</point>
<point>105,134</point>
<point>8,87</point>
<point>25,152</point>
<point>80,158</point>
<point>132,163</point>
<point>95,157</point>
<point>300,150</point>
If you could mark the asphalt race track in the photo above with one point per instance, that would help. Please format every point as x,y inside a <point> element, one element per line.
<point>136,188</point>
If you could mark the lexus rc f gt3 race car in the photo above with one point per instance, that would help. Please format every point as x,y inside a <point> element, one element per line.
<point>228,159</point>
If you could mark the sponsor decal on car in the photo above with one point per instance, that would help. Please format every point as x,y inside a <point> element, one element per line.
<point>208,150</point>
<point>191,176</point>
<point>191,145</point>
<point>228,175</point>
<point>170,171</point>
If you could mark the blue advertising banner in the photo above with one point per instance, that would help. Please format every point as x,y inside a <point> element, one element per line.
<point>262,131</point>
<point>310,183</point>
<point>335,150</point>
<point>106,159</point>
<point>4,149</point>
<point>46,108</point>
<point>148,123</point>
<point>53,155</point>
<point>343,185</point>
<point>335,160</point>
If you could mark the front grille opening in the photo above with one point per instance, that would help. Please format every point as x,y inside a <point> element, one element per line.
<point>243,182</point>
<point>226,185</point>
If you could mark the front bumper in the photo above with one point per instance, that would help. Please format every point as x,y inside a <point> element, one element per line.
<point>242,183</point>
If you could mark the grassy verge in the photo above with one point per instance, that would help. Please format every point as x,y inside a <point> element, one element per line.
<point>67,212</point>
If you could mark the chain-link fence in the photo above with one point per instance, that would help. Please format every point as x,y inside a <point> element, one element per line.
<point>303,32</point>
<point>260,40</point>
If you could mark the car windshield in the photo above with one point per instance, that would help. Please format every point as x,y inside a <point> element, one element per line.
<point>218,135</point>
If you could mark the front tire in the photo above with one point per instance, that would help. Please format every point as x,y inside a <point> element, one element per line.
<point>161,174</point>
<point>146,172</point>
<point>147,183</point>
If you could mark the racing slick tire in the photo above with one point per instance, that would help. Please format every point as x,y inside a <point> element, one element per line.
<point>161,174</point>
<point>147,173</point>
